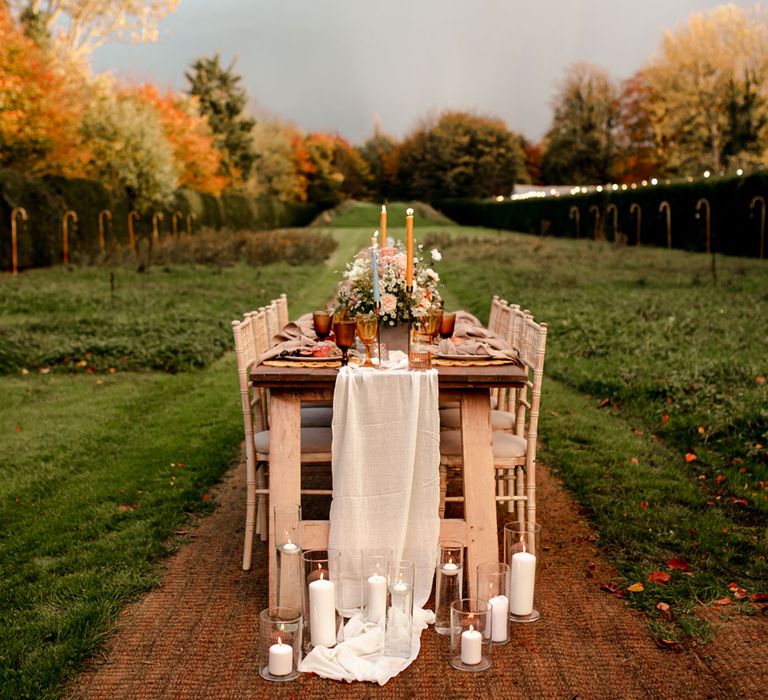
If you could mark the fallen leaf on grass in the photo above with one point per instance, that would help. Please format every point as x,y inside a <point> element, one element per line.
<point>604,403</point>
<point>663,608</point>
<point>18,428</point>
<point>722,601</point>
<point>206,497</point>
<point>759,597</point>
<point>660,577</point>
<point>690,457</point>
<point>737,591</point>
<point>636,587</point>
<point>645,505</point>
<point>720,478</point>
<point>609,587</point>
<point>665,419</point>
<point>678,564</point>
<point>760,379</point>
<point>740,502</point>
<point>634,460</point>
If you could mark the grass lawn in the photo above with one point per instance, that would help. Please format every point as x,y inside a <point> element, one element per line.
<point>647,362</point>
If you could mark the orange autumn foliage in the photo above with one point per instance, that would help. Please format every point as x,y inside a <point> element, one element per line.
<point>196,156</point>
<point>41,107</point>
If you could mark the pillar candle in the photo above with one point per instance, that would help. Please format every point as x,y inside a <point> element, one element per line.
<point>377,597</point>
<point>280,659</point>
<point>471,647</point>
<point>500,615</point>
<point>521,582</point>
<point>322,612</point>
<point>409,247</point>
<point>383,225</point>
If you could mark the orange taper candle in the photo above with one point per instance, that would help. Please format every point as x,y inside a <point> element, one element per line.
<point>383,226</point>
<point>409,248</point>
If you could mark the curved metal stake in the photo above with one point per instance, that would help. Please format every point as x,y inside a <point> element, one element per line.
<point>665,206</point>
<point>699,204</point>
<point>635,207</point>
<point>761,201</point>
<point>612,208</point>
<point>157,216</point>
<point>16,211</point>
<point>190,217</point>
<point>69,214</point>
<point>574,214</point>
<point>131,236</point>
<point>102,214</point>
<point>596,210</point>
<point>174,225</point>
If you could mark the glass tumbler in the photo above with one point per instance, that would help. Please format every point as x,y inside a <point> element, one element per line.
<point>523,552</point>
<point>448,583</point>
<point>322,597</point>
<point>280,633</point>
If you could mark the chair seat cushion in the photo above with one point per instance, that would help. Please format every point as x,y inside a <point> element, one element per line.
<point>316,416</point>
<point>312,440</point>
<point>505,445</point>
<point>500,420</point>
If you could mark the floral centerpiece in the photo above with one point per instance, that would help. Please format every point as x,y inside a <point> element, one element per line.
<point>355,291</point>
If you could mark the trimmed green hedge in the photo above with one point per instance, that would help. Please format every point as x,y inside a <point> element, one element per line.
<point>46,199</point>
<point>735,228</point>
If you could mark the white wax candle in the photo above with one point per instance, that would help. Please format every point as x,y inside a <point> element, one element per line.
<point>521,582</point>
<point>471,647</point>
<point>377,597</point>
<point>500,615</point>
<point>280,659</point>
<point>322,612</point>
<point>290,548</point>
<point>450,569</point>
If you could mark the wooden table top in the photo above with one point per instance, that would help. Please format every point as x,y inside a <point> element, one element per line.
<point>449,377</point>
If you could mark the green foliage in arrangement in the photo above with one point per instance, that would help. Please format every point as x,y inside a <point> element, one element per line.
<point>655,402</point>
<point>735,226</point>
<point>46,199</point>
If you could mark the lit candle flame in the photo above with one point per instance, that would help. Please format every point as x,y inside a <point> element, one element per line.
<point>279,641</point>
<point>471,628</point>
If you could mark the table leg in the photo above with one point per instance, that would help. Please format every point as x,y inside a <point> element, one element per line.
<point>284,466</point>
<point>479,482</point>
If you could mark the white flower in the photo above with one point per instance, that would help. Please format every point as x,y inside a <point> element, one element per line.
<point>429,272</point>
<point>436,255</point>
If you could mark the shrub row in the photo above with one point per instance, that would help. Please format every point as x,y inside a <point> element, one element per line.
<point>735,225</point>
<point>46,200</point>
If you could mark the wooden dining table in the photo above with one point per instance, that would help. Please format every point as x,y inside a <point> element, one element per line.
<point>468,384</point>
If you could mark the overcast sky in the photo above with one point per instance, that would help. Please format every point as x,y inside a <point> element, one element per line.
<point>335,65</point>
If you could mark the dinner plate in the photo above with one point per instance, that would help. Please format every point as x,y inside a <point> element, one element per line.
<point>308,358</point>
<point>446,356</point>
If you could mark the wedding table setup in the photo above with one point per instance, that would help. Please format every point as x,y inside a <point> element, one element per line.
<point>347,595</point>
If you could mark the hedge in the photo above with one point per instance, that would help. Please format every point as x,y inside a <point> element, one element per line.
<point>46,199</point>
<point>735,227</point>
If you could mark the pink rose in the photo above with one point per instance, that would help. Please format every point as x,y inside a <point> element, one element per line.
<point>388,303</point>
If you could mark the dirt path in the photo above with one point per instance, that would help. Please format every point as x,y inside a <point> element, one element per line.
<point>195,636</point>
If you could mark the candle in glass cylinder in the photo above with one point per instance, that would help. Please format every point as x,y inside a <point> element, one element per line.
<point>377,597</point>
<point>280,659</point>
<point>500,613</point>
<point>471,647</point>
<point>409,248</point>
<point>522,577</point>
<point>322,612</point>
<point>383,225</point>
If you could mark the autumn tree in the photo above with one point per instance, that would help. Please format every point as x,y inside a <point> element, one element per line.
<point>458,155</point>
<point>708,82</point>
<point>40,107</point>
<point>196,157</point>
<point>81,26</point>
<point>129,148</point>
<point>223,101</point>
<point>581,142</point>
<point>378,152</point>
<point>282,165</point>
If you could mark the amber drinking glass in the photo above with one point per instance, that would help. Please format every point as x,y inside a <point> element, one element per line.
<point>322,321</point>
<point>447,324</point>
<point>367,328</point>
<point>432,325</point>
<point>345,338</point>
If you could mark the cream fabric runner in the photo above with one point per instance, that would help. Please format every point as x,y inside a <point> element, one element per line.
<point>386,454</point>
